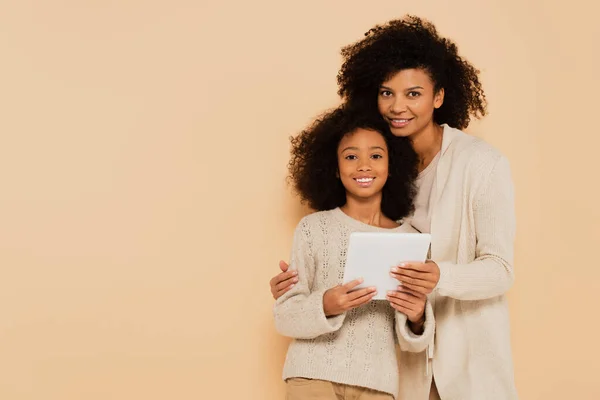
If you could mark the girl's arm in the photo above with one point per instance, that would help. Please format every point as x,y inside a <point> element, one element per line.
<point>299,312</point>
<point>409,340</point>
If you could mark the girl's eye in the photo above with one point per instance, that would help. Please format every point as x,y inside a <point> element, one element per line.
<point>377,156</point>
<point>350,157</point>
<point>414,94</point>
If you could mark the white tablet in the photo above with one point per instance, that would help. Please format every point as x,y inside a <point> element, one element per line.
<point>371,255</point>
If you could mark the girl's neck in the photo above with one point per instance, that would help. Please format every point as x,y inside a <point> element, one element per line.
<point>428,143</point>
<point>367,211</point>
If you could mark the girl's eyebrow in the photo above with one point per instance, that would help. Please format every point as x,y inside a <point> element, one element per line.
<point>410,88</point>
<point>356,148</point>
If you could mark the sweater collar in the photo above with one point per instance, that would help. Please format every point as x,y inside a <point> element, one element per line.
<point>443,168</point>
<point>448,136</point>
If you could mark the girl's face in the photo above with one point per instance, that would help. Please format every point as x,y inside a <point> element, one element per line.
<point>363,163</point>
<point>407,101</point>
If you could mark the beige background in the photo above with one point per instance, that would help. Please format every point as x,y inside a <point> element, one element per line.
<point>143,151</point>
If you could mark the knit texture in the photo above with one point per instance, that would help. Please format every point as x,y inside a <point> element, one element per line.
<point>357,347</point>
<point>472,239</point>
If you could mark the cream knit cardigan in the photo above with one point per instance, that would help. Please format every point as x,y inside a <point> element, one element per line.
<point>473,229</point>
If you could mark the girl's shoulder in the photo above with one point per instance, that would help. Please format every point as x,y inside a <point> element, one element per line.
<point>314,227</point>
<point>317,218</point>
<point>315,222</point>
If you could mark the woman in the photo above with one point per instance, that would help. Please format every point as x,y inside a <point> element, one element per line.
<point>416,80</point>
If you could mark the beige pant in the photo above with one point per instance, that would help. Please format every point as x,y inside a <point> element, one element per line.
<point>314,389</point>
<point>433,394</point>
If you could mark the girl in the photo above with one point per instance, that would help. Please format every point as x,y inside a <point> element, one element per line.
<point>358,177</point>
<point>426,92</point>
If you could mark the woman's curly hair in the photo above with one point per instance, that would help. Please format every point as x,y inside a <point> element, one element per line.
<point>313,167</point>
<point>406,43</point>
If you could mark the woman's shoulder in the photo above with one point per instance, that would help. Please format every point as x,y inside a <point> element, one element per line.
<point>471,150</point>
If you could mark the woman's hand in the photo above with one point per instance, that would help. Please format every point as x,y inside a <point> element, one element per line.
<point>416,276</point>
<point>341,298</point>
<point>283,281</point>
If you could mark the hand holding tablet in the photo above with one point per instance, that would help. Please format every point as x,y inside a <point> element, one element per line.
<point>371,255</point>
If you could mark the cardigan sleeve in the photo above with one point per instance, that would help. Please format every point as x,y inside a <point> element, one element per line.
<point>299,312</point>
<point>491,273</point>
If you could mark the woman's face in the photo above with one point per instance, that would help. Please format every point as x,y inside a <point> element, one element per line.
<point>363,163</point>
<point>407,101</point>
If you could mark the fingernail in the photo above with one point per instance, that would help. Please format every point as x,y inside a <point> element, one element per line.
<point>360,280</point>
<point>390,292</point>
<point>402,265</point>
<point>292,285</point>
<point>373,289</point>
<point>295,273</point>
<point>295,280</point>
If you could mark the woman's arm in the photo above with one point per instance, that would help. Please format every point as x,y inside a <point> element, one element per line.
<point>491,273</point>
<point>283,281</point>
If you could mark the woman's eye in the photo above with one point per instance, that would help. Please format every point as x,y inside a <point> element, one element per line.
<point>414,94</point>
<point>385,93</point>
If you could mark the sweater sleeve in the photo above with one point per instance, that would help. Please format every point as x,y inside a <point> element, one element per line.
<point>491,273</point>
<point>410,341</point>
<point>299,312</point>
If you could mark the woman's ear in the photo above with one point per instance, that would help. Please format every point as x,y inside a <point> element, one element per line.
<point>438,99</point>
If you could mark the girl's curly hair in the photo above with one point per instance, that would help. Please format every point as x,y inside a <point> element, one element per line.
<point>406,43</point>
<point>313,166</point>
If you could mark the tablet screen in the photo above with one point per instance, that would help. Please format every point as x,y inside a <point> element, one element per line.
<point>371,255</point>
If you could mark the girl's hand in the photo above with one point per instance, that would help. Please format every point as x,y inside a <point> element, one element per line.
<point>340,298</point>
<point>410,303</point>
<point>418,277</point>
<point>283,281</point>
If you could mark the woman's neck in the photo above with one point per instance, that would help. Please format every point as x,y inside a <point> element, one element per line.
<point>427,144</point>
<point>367,211</point>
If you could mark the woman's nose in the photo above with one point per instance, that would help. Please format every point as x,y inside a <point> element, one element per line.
<point>398,106</point>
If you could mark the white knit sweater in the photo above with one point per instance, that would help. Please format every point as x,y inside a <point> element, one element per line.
<point>355,348</point>
<point>472,234</point>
